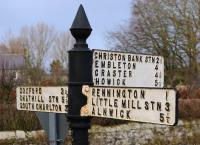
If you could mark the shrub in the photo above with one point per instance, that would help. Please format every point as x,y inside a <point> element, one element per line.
<point>12,119</point>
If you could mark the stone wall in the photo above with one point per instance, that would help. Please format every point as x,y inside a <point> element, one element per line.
<point>143,133</point>
<point>186,132</point>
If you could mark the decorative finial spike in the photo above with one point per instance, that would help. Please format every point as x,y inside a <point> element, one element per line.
<point>81,29</point>
<point>81,20</point>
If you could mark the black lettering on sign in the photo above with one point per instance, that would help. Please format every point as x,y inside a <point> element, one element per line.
<point>124,65</point>
<point>63,99</point>
<point>146,105</point>
<point>100,55</point>
<point>118,82</point>
<point>96,64</point>
<point>157,60</point>
<point>119,72</point>
<point>33,106</point>
<point>119,65</point>
<point>109,64</point>
<point>135,94</point>
<point>105,100</point>
<point>97,81</point>
<point>122,113</point>
<point>153,59</point>
<point>138,105</point>
<point>101,99</point>
<point>133,105</point>
<point>99,114</point>
<point>167,106</point>
<point>168,119</point>
<point>96,73</point>
<point>158,106</point>
<point>156,67</point>
<point>114,73</point>
<point>53,99</point>
<point>104,111</point>
<point>103,81</point>
<point>152,105</point>
<point>118,93</point>
<point>62,91</point>
<point>123,82</point>
<point>114,65</point>
<point>123,103</point>
<point>109,92</point>
<point>134,65</point>
<point>103,93</point>
<point>116,113</point>
<point>93,111</point>
<point>116,103</point>
<point>125,74</point>
<point>93,104</point>
<point>108,73</point>
<point>130,73</point>
<point>110,105</point>
<point>103,64</point>
<point>124,93</point>
<point>156,82</point>
<point>128,114</point>
<point>162,119</point>
<point>109,81</point>
<point>98,92</point>
<point>105,56</point>
<point>167,94</point>
<point>102,73</point>
<point>129,57</point>
<point>40,91</point>
<point>142,94</point>
<point>111,112</point>
<point>129,103</point>
<point>95,54</point>
<point>111,56</point>
<point>115,56</point>
<point>156,75</point>
<point>129,93</point>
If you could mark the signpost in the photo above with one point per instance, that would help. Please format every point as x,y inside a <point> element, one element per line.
<point>134,104</point>
<point>116,78</point>
<point>122,69</point>
<point>43,99</point>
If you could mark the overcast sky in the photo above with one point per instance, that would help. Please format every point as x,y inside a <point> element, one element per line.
<point>104,15</point>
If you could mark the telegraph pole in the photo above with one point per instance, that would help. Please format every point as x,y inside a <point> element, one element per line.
<point>80,73</point>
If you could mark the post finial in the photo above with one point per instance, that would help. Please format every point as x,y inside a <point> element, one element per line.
<point>81,28</point>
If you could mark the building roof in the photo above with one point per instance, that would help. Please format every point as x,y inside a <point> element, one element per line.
<point>11,61</point>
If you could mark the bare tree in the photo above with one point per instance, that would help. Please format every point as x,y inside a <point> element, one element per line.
<point>170,28</point>
<point>11,44</point>
<point>37,40</point>
<point>64,42</point>
<point>39,44</point>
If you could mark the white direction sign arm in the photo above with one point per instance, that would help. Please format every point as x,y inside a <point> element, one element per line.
<point>122,69</point>
<point>42,99</point>
<point>135,104</point>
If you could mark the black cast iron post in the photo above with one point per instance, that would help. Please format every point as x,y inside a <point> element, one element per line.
<point>80,73</point>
